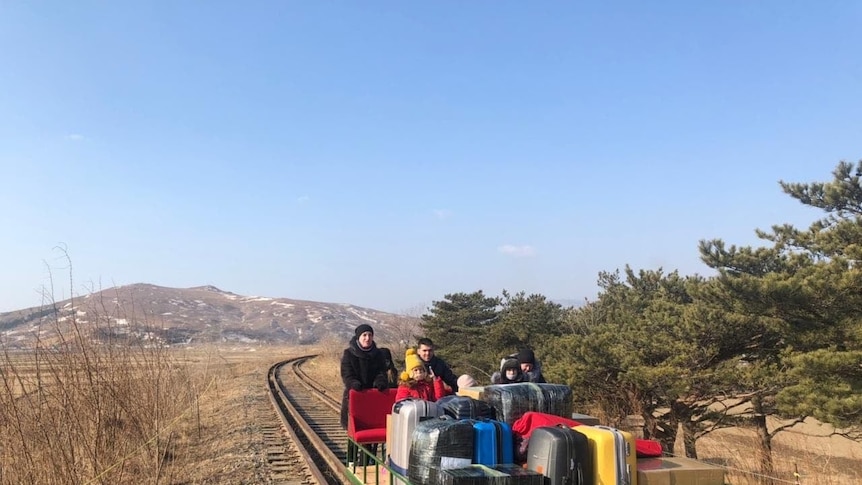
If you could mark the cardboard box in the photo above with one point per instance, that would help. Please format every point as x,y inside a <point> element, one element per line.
<point>474,392</point>
<point>388,434</point>
<point>585,419</point>
<point>678,471</point>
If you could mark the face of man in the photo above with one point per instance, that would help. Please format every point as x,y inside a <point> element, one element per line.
<point>526,367</point>
<point>365,339</point>
<point>425,352</point>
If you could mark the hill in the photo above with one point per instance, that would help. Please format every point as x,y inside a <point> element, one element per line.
<point>189,316</point>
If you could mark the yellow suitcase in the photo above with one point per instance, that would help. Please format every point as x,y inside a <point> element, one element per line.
<point>613,456</point>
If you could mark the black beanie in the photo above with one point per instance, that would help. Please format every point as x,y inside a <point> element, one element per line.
<point>526,356</point>
<point>362,329</point>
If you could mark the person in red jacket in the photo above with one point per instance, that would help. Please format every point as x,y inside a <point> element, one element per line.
<point>415,381</point>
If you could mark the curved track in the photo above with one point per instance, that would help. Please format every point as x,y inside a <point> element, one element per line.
<point>310,416</point>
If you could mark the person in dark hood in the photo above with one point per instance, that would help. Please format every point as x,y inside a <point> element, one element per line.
<point>362,366</point>
<point>436,366</point>
<point>530,366</point>
<point>510,373</point>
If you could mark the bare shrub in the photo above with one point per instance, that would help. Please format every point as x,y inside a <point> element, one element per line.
<point>93,400</point>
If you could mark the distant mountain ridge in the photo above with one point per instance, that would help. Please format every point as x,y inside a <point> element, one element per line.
<point>190,316</point>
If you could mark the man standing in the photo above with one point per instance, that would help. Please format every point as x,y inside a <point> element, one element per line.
<point>435,365</point>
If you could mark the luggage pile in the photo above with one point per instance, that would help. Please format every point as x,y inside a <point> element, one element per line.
<point>474,440</point>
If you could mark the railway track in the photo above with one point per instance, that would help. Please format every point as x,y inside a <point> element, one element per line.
<point>310,418</point>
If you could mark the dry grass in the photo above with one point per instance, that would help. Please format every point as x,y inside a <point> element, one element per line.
<point>228,445</point>
<point>819,459</point>
<point>97,399</point>
<point>78,410</point>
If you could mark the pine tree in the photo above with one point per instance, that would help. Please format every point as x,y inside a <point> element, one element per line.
<point>459,325</point>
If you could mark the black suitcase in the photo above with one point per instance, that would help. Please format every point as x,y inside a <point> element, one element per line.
<point>561,454</point>
<point>465,407</point>
<point>436,441</point>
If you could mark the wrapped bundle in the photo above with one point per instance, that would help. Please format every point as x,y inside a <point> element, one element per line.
<point>463,407</point>
<point>517,475</point>
<point>511,401</point>
<point>472,475</point>
<point>439,444</point>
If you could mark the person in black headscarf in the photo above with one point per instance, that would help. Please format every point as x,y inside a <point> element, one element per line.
<point>362,366</point>
<point>510,373</point>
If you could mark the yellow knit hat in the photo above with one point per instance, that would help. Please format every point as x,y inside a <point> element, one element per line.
<point>411,361</point>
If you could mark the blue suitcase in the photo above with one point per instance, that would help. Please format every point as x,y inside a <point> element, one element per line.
<point>492,443</point>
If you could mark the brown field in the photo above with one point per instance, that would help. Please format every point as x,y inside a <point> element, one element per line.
<point>216,436</point>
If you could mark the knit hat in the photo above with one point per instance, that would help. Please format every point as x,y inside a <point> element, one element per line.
<point>411,361</point>
<point>510,364</point>
<point>526,356</point>
<point>362,329</point>
<point>466,380</point>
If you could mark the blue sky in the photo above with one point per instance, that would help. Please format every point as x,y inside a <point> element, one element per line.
<point>388,153</point>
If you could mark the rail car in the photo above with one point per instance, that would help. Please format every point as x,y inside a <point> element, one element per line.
<point>446,448</point>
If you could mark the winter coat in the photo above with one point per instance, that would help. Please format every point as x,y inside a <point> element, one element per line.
<point>361,369</point>
<point>441,369</point>
<point>427,389</point>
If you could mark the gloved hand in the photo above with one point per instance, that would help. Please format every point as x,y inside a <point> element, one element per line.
<point>382,386</point>
<point>356,385</point>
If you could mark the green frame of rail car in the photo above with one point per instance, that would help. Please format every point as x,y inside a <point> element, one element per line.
<point>370,474</point>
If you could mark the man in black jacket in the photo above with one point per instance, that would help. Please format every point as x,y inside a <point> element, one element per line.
<point>435,365</point>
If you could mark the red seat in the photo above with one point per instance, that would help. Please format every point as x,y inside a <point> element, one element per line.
<point>366,418</point>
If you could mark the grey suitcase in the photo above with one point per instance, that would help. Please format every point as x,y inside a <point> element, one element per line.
<point>559,453</point>
<point>405,415</point>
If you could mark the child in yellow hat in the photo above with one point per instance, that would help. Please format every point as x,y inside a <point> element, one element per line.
<point>415,381</point>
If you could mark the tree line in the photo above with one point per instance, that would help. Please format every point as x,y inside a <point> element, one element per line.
<point>776,332</point>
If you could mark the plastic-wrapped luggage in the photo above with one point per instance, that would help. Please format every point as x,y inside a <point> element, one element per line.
<point>511,401</point>
<point>463,407</point>
<point>405,415</point>
<point>496,475</point>
<point>561,454</point>
<point>518,475</point>
<point>439,444</point>
<point>492,443</point>
<point>614,460</point>
<point>470,475</point>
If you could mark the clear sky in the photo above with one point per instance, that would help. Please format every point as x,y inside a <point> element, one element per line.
<point>387,153</point>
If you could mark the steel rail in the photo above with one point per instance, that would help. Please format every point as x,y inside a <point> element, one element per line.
<point>296,415</point>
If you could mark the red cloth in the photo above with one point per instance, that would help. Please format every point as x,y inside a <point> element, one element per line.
<point>531,420</point>
<point>647,448</point>
<point>421,390</point>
